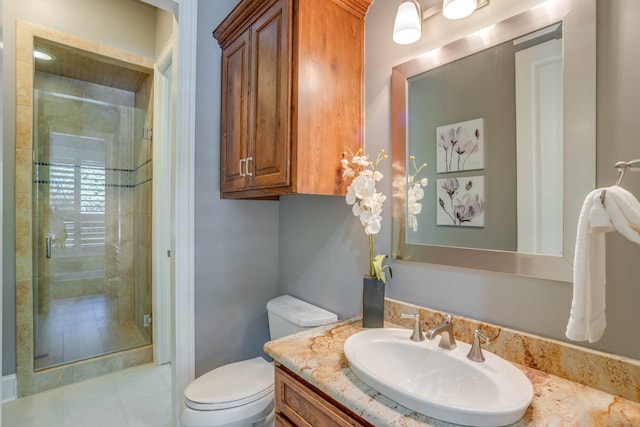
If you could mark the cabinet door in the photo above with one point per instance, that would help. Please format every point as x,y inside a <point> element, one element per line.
<point>235,110</point>
<point>270,150</point>
<point>297,403</point>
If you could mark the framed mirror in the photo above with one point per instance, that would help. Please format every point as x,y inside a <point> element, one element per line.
<point>505,119</point>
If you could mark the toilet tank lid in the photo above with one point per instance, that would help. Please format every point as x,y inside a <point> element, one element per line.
<point>300,312</point>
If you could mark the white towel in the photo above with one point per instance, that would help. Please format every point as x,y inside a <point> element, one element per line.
<point>621,212</point>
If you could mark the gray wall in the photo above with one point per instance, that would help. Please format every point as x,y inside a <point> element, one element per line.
<point>236,246</point>
<point>132,28</point>
<point>322,247</point>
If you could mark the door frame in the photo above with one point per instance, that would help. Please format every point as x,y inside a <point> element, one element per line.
<point>163,137</point>
<point>182,196</point>
<point>183,241</point>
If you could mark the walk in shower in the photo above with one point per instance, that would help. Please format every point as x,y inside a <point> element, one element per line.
<point>83,197</point>
<point>91,207</point>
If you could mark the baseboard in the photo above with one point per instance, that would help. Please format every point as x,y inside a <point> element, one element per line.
<point>9,388</point>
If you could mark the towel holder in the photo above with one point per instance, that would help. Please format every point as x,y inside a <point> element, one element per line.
<point>622,167</point>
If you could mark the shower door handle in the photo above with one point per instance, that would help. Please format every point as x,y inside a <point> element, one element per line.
<point>47,241</point>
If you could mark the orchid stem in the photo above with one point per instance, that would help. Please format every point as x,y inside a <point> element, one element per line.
<point>372,271</point>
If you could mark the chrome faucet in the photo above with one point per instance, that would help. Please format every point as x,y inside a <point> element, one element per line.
<point>417,326</point>
<point>475,353</point>
<point>445,330</point>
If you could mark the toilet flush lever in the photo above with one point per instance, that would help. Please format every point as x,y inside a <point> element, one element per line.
<point>417,334</point>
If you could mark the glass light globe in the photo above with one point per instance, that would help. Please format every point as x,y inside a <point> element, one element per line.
<point>457,9</point>
<point>407,28</point>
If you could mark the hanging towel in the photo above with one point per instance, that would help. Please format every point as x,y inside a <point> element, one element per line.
<point>620,211</point>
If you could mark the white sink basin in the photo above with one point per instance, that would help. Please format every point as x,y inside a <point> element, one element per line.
<point>440,383</point>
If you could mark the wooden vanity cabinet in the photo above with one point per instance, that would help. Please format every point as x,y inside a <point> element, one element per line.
<point>292,91</point>
<point>297,403</point>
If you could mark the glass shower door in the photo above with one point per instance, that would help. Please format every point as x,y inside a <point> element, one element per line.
<point>86,299</point>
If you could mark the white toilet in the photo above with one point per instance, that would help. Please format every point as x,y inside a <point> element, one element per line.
<point>240,394</point>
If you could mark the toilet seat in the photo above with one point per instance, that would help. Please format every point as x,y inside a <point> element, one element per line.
<point>231,386</point>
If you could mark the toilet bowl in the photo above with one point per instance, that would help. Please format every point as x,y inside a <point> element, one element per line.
<point>241,394</point>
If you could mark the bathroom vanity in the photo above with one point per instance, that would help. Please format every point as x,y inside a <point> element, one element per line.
<point>315,386</point>
<point>298,403</point>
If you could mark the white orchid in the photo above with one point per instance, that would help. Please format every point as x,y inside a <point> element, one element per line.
<point>415,193</point>
<point>366,201</point>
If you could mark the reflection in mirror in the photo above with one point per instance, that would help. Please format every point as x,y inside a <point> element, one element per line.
<point>539,154</point>
<point>465,112</point>
<point>505,120</point>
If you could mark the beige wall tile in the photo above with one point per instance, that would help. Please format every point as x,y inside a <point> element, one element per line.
<point>24,342</point>
<point>52,378</point>
<point>23,178</point>
<point>24,317</point>
<point>122,55</point>
<point>24,384</point>
<point>148,62</point>
<point>24,83</point>
<point>23,219</point>
<point>34,29</point>
<point>24,264</point>
<point>24,41</point>
<point>138,356</point>
<point>24,301</point>
<point>24,125</point>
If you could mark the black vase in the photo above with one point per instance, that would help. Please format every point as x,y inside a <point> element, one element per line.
<point>372,303</point>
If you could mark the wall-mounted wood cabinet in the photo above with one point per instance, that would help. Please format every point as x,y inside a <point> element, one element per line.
<point>292,95</point>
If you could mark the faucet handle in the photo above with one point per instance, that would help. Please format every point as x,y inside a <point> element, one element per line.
<point>448,318</point>
<point>417,326</point>
<point>475,353</point>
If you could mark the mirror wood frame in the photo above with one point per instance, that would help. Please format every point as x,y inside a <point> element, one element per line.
<point>579,136</point>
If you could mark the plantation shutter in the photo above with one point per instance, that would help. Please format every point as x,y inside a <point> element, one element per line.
<point>77,188</point>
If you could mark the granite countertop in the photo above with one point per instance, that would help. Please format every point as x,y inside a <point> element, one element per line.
<point>317,356</point>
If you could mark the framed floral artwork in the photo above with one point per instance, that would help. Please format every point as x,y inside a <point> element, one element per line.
<point>460,146</point>
<point>461,201</point>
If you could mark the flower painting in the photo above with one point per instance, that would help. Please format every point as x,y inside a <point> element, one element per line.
<point>460,146</point>
<point>461,201</point>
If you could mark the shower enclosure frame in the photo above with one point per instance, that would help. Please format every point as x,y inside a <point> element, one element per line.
<point>28,380</point>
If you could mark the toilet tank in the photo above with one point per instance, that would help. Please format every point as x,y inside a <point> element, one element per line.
<point>288,315</point>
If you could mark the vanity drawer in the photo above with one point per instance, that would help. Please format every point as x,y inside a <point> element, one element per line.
<point>300,404</point>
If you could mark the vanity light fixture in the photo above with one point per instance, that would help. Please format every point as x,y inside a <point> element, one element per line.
<point>458,9</point>
<point>407,28</point>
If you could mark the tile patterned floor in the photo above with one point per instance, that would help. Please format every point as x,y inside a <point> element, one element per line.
<point>135,397</point>
<point>77,328</point>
